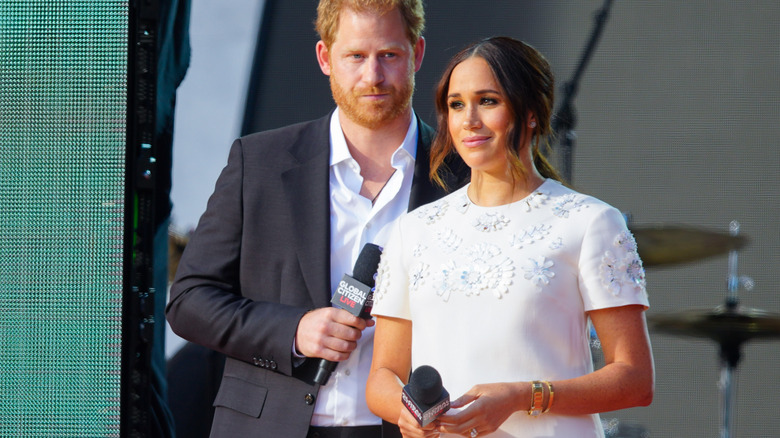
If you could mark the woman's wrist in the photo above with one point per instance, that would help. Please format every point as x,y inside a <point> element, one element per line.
<point>542,396</point>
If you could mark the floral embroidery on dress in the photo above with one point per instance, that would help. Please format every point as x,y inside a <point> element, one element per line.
<point>444,280</point>
<point>556,243</point>
<point>448,240</point>
<point>623,268</point>
<point>538,271</point>
<point>536,200</point>
<point>491,221</point>
<point>418,250</point>
<point>499,278</point>
<point>382,282</point>
<point>474,278</point>
<point>471,279</point>
<point>626,241</point>
<point>566,204</point>
<point>462,203</point>
<point>483,251</point>
<point>432,212</point>
<point>417,275</point>
<point>530,235</point>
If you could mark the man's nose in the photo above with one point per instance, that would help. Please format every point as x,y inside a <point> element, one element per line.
<point>374,71</point>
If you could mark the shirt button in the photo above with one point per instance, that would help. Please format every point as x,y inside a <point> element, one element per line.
<point>347,372</point>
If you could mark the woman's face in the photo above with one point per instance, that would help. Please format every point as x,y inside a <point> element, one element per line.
<point>479,117</point>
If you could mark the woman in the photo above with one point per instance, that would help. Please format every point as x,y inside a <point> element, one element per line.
<point>494,284</point>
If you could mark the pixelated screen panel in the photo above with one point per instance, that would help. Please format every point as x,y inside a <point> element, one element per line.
<point>63,82</point>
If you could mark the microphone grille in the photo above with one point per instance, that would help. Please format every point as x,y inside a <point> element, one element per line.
<point>425,384</point>
<point>367,264</point>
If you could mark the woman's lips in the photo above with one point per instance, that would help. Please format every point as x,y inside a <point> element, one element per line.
<point>474,141</point>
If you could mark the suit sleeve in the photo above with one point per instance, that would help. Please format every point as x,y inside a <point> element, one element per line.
<point>207,305</point>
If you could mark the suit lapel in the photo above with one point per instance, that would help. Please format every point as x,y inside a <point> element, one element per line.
<point>423,189</point>
<point>306,187</point>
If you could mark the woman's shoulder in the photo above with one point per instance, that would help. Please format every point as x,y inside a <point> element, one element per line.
<point>433,211</point>
<point>566,201</point>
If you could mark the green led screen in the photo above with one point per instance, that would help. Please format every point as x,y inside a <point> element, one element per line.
<point>63,100</point>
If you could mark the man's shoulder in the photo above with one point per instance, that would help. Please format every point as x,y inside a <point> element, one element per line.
<point>290,132</point>
<point>425,133</point>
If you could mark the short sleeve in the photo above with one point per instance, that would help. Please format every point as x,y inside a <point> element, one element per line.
<point>391,297</point>
<point>611,271</point>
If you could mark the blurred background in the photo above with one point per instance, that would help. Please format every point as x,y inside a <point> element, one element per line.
<point>676,124</point>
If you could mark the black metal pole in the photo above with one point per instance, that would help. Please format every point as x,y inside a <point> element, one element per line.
<point>565,118</point>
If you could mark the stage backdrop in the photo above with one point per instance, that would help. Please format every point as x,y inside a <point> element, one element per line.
<point>79,171</point>
<point>677,125</point>
<point>63,80</point>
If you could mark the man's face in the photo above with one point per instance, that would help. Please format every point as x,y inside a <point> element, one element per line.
<point>371,65</point>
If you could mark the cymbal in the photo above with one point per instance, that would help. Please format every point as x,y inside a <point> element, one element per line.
<point>670,244</point>
<point>721,324</point>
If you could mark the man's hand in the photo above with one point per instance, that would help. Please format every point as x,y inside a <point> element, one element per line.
<point>329,333</point>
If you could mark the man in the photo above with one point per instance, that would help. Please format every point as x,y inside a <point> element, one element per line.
<point>290,213</point>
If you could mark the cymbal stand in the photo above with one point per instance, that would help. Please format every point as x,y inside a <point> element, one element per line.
<point>730,346</point>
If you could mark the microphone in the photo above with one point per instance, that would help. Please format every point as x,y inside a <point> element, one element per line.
<point>354,294</point>
<point>424,396</point>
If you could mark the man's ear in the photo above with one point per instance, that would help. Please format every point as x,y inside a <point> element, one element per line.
<point>323,57</point>
<point>419,53</point>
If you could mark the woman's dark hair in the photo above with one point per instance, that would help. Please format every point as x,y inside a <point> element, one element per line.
<point>527,81</point>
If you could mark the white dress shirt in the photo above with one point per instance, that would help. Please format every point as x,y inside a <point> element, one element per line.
<point>354,221</point>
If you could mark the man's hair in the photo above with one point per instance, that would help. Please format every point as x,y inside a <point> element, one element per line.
<point>328,11</point>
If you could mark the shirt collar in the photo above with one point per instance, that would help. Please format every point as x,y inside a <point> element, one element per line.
<point>339,151</point>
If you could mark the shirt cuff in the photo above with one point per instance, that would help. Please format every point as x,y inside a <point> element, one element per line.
<point>298,358</point>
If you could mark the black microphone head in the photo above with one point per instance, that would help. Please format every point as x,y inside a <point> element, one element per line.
<point>367,264</point>
<point>425,384</point>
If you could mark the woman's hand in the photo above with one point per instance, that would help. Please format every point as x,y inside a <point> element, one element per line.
<point>489,405</point>
<point>410,428</point>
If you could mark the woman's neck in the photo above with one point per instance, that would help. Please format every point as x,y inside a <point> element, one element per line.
<point>488,190</point>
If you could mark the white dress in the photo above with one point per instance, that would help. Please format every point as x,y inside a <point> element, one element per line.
<point>499,294</point>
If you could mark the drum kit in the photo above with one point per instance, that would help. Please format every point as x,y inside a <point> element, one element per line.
<point>729,325</point>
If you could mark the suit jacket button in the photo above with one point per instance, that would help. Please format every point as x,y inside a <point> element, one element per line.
<point>273,365</point>
<point>309,399</point>
<point>257,361</point>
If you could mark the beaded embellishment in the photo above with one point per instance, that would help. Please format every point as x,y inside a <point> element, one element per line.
<point>538,271</point>
<point>483,251</point>
<point>536,200</point>
<point>382,280</point>
<point>462,203</point>
<point>473,278</point>
<point>623,267</point>
<point>566,204</point>
<point>530,235</point>
<point>432,212</point>
<point>417,275</point>
<point>491,221</point>
<point>448,240</point>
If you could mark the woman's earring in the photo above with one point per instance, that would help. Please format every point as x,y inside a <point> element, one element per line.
<point>532,124</point>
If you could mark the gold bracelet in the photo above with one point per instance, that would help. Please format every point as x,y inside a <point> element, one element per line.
<point>537,396</point>
<point>552,396</point>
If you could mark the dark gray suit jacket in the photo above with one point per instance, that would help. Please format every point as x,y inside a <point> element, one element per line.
<point>258,260</point>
